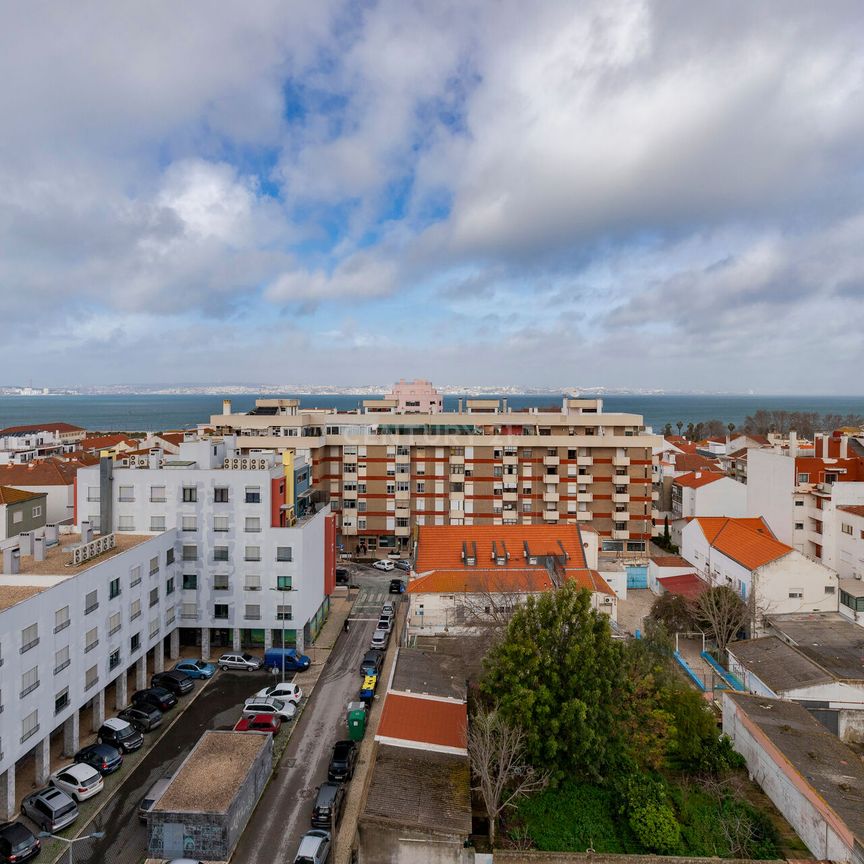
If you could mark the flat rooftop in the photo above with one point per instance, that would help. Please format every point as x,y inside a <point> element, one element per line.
<point>420,789</point>
<point>213,772</point>
<point>11,595</point>
<point>827,638</point>
<point>822,760</point>
<point>430,673</point>
<point>57,557</point>
<point>778,664</point>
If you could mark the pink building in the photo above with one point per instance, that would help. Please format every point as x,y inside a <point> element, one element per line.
<point>415,397</point>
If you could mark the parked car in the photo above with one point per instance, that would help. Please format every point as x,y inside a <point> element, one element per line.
<point>314,848</point>
<point>285,690</point>
<point>78,780</point>
<point>342,761</point>
<point>120,734</point>
<point>342,576</point>
<point>196,668</point>
<point>371,663</point>
<point>259,723</point>
<point>158,697</point>
<point>384,565</point>
<point>397,586</point>
<point>328,805</point>
<point>51,809</point>
<point>154,793</point>
<point>179,683</point>
<point>379,640</point>
<point>385,622</point>
<point>404,564</point>
<point>239,661</point>
<point>105,758</point>
<point>283,710</point>
<point>18,843</point>
<point>143,716</point>
<point>275,658</point>
<point>389,608</point>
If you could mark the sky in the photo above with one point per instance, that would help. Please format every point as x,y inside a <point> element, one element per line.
<point>627,193</point>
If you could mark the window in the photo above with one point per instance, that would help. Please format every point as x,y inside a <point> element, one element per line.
<point>169,557</point>
<point>220,582</point>
<point>154,566</point>
<point>29,681</point>
<point>61,700</point>
<point>220,524</point>
<point>29,726</point>
<point>252,613</point>
<point>135,574</point>
<point>125,523</point>
<point>220,610</point>
<point>157,523</point>
<point>190,494</point>
<point>61,659</point>
<point>114,588</point>
<point>114,659</point>
<point>91,639</point>
<point>134,610</point>
<point>154,627</point>
<point>135,643</point>
<point>253,553</point>
<point>17,516</point>
<point>284,553</point>
<point>169,586</point>
<point>157,494</point>
<point>92,493</point>
<point>830,589</point>
<point>91,603</point>
<point>253,524</point>
<point>846,529</point>
<point>283,613</point>
<point>799,502</point>
<point>29,637</point>
<point>253,494</point>
<point>803,478</point>
<point>795,593</point>
<point>220,495</point>
<point>421,486</point>
<point>799,526</point>
<point>190,582</point>
<point>220,553</point>
<point>283,583</point>
<point>127,493</point>
<point>61,619</point>
<point>190,553</point>
<point>114,623</point>
<point>37,511</point>
<point>189,523</point>
<point>253,583</point>
<point>91,677</point>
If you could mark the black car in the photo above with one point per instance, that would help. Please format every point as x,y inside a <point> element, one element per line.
<point>143,716</point>
<point>328,805</point>
<point>342,761</point>
<point>120,734</point>
<point>341,575</point>
<point>17,843</point>
<point>179,683</point>
<point>158,697</point>
<point>105,758</point>
<point>397,586</point>
<point>372,662</point>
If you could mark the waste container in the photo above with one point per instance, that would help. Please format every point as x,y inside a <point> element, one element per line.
<point>367,691</point>
<point>356,721</point>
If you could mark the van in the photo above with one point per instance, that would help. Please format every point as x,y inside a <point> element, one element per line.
<point>328,805</point>
<point>274,658</point>
<point>153,795</point>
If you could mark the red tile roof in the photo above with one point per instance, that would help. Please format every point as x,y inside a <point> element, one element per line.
<point>8,495</point>
<point>670,561</point>
<point>848,470</point>
<point>693,462</point>
<point>501,580</point>
<point>697,479</point>
<point>747,541</point>
<point>687,585</point>
<point>47,472</point>
<point>106,442</point>
<point>854,509</point>
<point>41,427</point>
<point>682,443</point>
<point>424,721</point>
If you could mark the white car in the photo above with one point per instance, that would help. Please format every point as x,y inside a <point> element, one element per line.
<point>78,780</point>
<point>259,705</point>
<point>239,661</point>
<point>380,638</point>
<point>386,566</point>
<point>285,690</point>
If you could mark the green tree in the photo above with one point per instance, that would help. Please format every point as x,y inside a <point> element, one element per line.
<point>680,425</point>
<point>673,611</point>
<point>649,813</point>
<point>721,613</point>
<point>667,429</point>
<point>667,534</point>
<point>555,675</point>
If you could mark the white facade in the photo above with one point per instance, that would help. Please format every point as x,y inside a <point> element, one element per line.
<point>721,497</point>
<point>59,501</point>
<point>770,491</point>
<point>849,532</point>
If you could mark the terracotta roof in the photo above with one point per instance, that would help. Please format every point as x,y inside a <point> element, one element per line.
<point>740,454</point>
<point>854,509</point>
<point>682,443</point>
<point>687,585</point>
<point>172,437</point>
<point>848,470</point>
<point>693,462</point>
<point>8,495</point>
<point>41,427</point>
<point>502,579</point>
<point>670,561</point>
<point>697,479</point>
<point>105,442</point>
<point>47,472</point>
<point>439,547</point>
<point>747,541</point>
<point>424,721</point>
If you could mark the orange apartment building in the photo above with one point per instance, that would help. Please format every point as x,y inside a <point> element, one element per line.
<point>385,472</point>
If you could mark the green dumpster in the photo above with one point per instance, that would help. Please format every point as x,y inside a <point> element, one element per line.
<point>356,720</point>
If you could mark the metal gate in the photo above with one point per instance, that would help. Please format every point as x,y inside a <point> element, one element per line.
<point>828,717</point>
<point>637,577</point>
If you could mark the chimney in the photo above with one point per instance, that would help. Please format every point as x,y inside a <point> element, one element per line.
<point>698,475</point>
<point>25,540</point>
<point>11,560</point>
<point>460,406</point>
<point>106,497</point>
<point>153,460</point>
<point>844,446</point>
<point>38,548</point>
<point>226,406</point>
<point>51,533</point>
<point>793,443</point>
<point>504,410</point>
<point>86,531</point>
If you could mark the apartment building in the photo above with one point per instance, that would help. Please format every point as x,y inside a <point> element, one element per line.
<point>20,511</point>
<point>246,527</point>
<point>78,618</point>
<point>386,473</point>
<point>801,494</point>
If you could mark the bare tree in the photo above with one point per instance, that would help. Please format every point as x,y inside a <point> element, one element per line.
<point>497,753</point>
<point>723,613</point>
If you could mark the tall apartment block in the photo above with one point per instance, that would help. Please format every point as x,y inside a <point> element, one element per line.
<point>386,472</point>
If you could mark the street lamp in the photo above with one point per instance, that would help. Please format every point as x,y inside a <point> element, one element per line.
<point>96,835</point>
<point>282,619</point>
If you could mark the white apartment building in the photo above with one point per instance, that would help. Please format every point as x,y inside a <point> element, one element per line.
<point>78,620</point>
<point>744,555</point>
<point>251,574</point>
<point>707,493</point>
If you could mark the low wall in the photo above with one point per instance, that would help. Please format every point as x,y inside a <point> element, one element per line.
<point>514,857</point>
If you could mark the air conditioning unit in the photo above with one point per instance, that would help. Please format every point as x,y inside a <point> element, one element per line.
<point>607,601</point>
<point>226,464</point>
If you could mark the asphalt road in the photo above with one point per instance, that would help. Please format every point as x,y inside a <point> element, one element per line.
<point>283,814</point>
<point>125,841</point>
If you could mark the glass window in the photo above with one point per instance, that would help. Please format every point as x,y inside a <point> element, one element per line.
<point>189,523</point>
<point>190,553</point>
<point>125,523</point>
<point>220,610</point>
<point>253,553</point>
<point>283,583</point>
<point>220,582</point>
<point>114,588</point>
<point>190,582</point>
<point>220,494</point>
<point>220,553</point>
<point>190,494</point>
<point>127,493</point>
<point>252,612</point>
<point>61,659</point>
<point>91,639</point>
<point>253,494</point>
<point>220,524</point>
<point>29,637</point>
<point>114,623</point>
<point>284,553</point>
<point>61,619</point>
<point>157,494</point>
<point>253,524</point>
<point>135,642</point>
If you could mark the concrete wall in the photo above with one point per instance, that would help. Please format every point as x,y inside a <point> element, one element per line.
<point>60,501</point>
<point>26,514</point>
<point>724,497</point>
<point>379,842</point>
<point>770,484</point>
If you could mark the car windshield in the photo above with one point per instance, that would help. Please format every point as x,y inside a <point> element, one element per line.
<point>92,780</point>
<point>21,845</point>
<point>248,657</point>
<point>128,732</point>
<point>64,809</point>
<point>200,664</point>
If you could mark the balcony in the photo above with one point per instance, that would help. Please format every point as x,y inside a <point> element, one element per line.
<point>402,530</point>
<point>584,497</point>
<point>584,461</point>
<point>584,516</point>
<point>550,478</point>
<point>620,535</point>
<point>403,494</point>
<point>510,496</point>
<point>457,458</point>
<point>621,498</point>
<point>552,460</point>
<point>511,459</point>
<point>551,496</point>
<point>620,461</point>
<point>551,515</point>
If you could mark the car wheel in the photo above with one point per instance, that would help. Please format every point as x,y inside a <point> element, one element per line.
<point>223,668</point>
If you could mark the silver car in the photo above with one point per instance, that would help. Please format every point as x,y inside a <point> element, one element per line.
<point>51,809</point>
<point>239,661</point>
<point>314,848</point>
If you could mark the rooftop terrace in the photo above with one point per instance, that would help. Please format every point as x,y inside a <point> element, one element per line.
<point>57,561</point>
